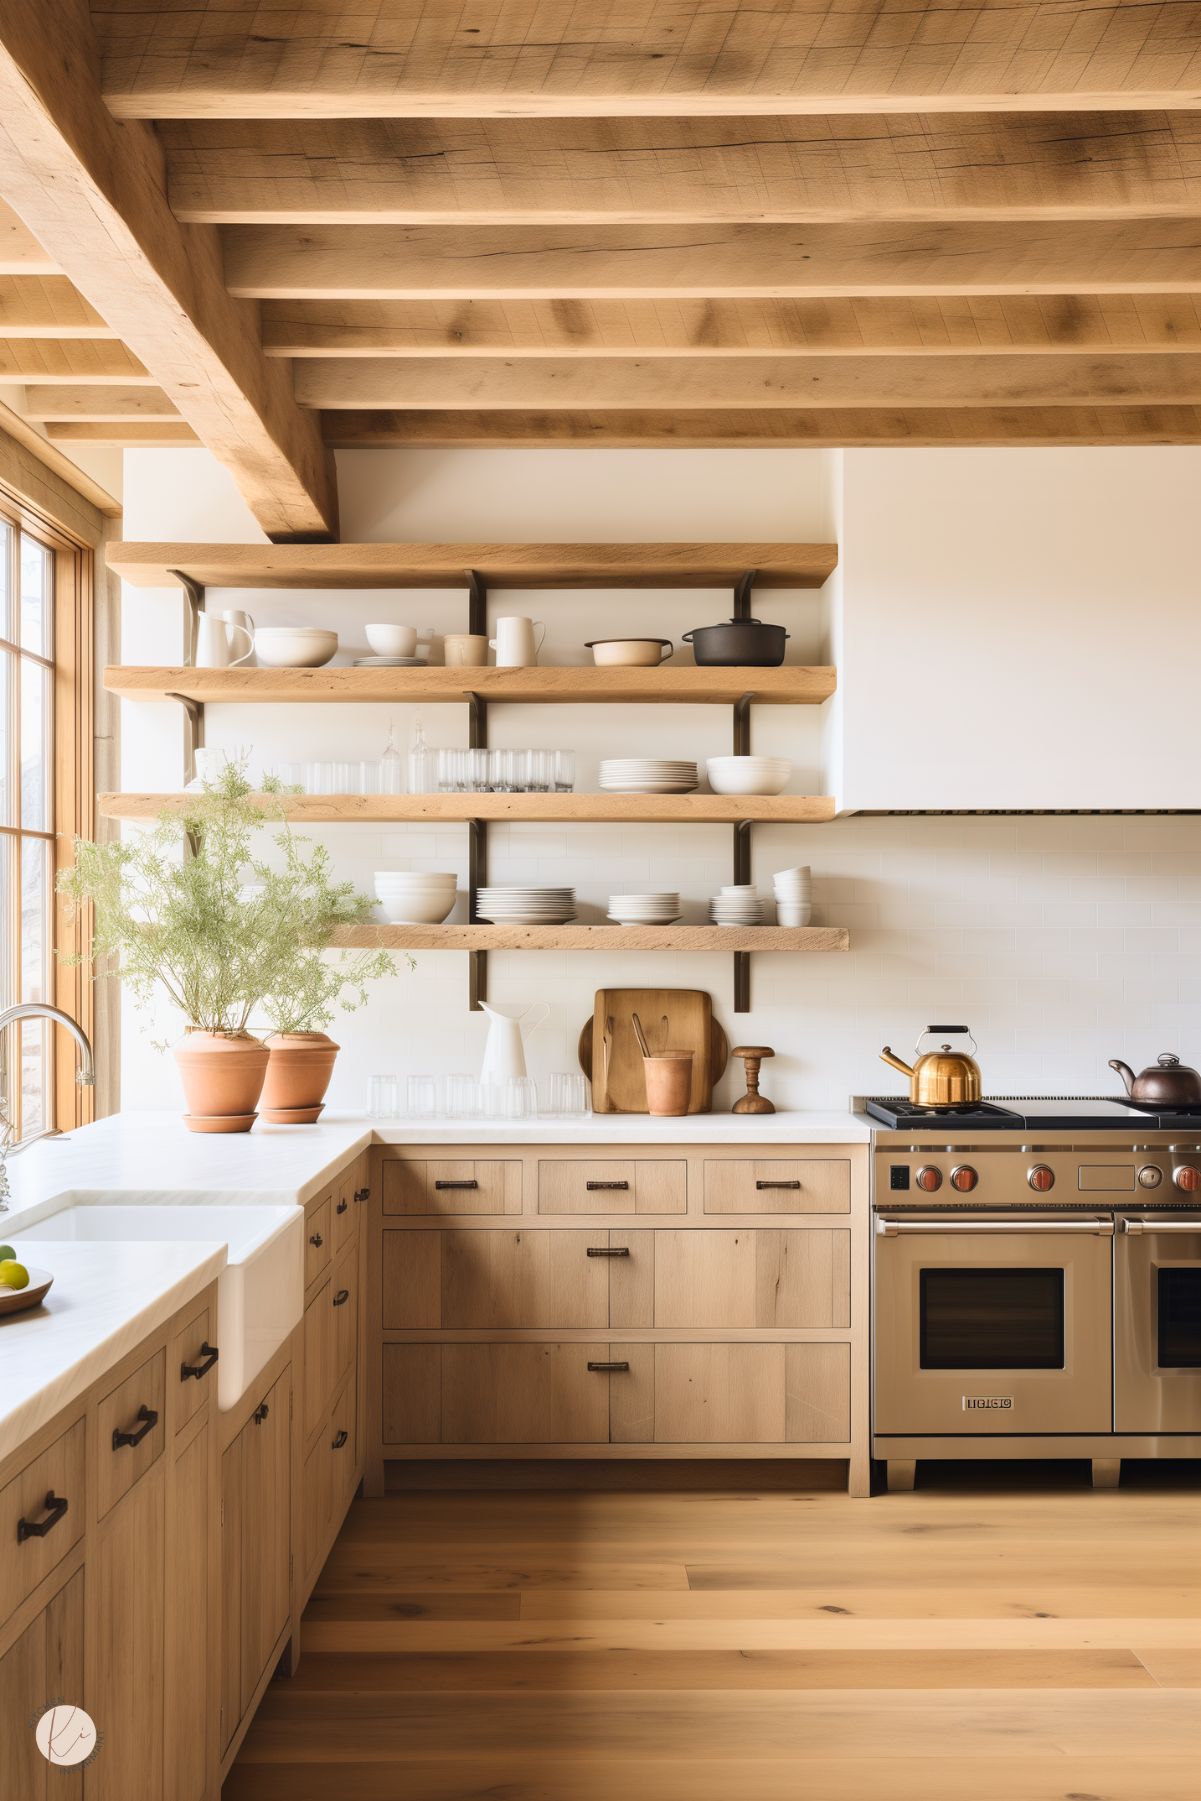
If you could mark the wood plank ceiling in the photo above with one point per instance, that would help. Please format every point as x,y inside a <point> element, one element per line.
<point>681,222</point>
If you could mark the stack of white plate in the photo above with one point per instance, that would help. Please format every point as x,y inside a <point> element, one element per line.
<point>526,906</point>
<point>748,775</point>
<point>794,896</point>
<point>415,897</point>
<point>737,905</point>
<point>648,775</point>
<point>662,909</point>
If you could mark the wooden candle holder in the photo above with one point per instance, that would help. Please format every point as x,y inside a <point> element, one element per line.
<point>752,1101</point>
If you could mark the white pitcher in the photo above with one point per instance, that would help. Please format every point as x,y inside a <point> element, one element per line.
<point>515,644</point>
<point>217,639</point>
<point>504,1052</point>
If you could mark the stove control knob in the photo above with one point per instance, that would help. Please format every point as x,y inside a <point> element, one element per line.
<point>928,1178</point>
<point>964,1178</point>
<point>1187,1178</point>
<point>1041,1178</point>
<point>1149,1176</point>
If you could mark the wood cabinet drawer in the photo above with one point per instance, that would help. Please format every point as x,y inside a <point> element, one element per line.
<point>748,1276</point>
<point>489,1394</point>
<point>344,1447</point>
<point>344,1305</point>
<point>495,1279</point>
<point>344,1215</point>
<point>130,1431</point>
<point>447,1186</point>
<point>731,1394</point>
<point>192,1363</point>
<point>319,1352</point>
<point>328,1480</point>
<point>605,1186</point>
<point>316,1237</point>
<point>778,1185</point>
<point>35,1531</point>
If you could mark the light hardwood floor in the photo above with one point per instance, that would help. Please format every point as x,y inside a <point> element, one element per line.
<point>635,1633</point>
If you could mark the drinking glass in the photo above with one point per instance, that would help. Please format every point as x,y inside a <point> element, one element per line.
<point>462,1097</point>
<point>566,1095</point>
<point>521,771</point>
<point>542,770</point>
<point>477,771</point>
<point>383,1097</point>
<point>452,771</point>
<point>564,771</point>
<point>343,777</point>
<point>369,778</point>
<point>423,1097</point>
<point>500,771</point>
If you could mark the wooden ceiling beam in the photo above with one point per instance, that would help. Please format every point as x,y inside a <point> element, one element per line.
<point>121,434</point>
<point>630,383</point>
<point>96,403</point>
<point>325,58</point>
<point>516,171</point>
<point>557,262</point>
<point>935,325</point>
<point>69,360</point>
<point>767,429</point>
<point>20,251</point>
<point>93,191</point>
<point>47,306</point>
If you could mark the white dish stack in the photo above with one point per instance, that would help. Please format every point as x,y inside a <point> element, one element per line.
<point>740,904</point>
<point>526,906</point>
<point>648,775</point>
<point>794,896</point>
<point>415,897</point>
<point>662,909</point>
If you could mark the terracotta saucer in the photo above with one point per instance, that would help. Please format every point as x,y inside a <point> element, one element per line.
<point>19,1300</point>
<point>293,1116</point>
<point>219,1122</point>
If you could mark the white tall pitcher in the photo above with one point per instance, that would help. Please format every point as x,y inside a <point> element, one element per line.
<point>504,1052</point>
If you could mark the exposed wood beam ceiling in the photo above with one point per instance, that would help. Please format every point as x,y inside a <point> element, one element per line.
<point>676,222</point>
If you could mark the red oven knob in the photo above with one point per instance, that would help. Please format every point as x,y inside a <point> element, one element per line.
<point>1187,1177</point>
<point>964,1178</point>
<point>929,1178</point>
<point>1041,1178</point>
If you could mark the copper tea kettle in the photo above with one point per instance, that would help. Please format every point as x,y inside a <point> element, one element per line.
<point>1167,1081</point>
<point>942,1077</point>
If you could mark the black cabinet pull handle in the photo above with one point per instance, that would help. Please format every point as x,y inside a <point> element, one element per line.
<point>601,1187</point>
<point>601,1250</point>
<point>362,1194</point>
<point>316,1240</point>
<point>608,1366</point>
<point>209,1355</point>
<point>260,1413</point>
<point>341,1298</point>
<point>777,1184</point>
<point>39,1528</point>
<point>149,1419</point>
<point>340,1440</point>
<point>472,1184</point>
<point>342,1207</point>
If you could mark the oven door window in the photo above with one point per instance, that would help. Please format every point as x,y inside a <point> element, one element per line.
<point>992,1319</point>
<point>1179,1310</point>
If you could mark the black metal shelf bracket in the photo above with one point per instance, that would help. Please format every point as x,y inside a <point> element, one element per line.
<point>477,852</point>
<point>742,830</point>
<point>742,594</point>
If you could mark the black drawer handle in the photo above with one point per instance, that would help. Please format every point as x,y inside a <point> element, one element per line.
<point>777,1184</point>
<point>602,1187</point>
<point>316,1240</point>
<point>260,1413</point>
<point>361,1194</point>
<point>472,1184</point>
<point>341,1298</point>
<point>340,1440</point>
<point>342,1207</point>
<point>149,1419</point>
<point>209,1355</point>
<point>600,1250</point>
<point>39,1528</point>
<point>608,1366</point>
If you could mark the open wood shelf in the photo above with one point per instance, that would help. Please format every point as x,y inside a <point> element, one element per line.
<point>446,565</point>
<point>596,809</point>
<point>789,685</point>
<point>593,938</point>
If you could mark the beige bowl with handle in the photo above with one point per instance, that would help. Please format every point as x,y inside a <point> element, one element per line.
<point>629,653</point>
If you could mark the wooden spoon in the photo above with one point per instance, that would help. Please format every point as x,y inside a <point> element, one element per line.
<point>640,1035</point>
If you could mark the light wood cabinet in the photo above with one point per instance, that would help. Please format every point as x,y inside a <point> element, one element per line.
<point>126,1574</point>
<point>131,1431</point>
<point>191,1363</point>
<point>318,1360</point>
<point>612,1186</point>
<point>731,1394</point>
<point>497,1394</point>
<point>450,1185</point>
<point>191,1618</point>
<point>42,1516</point>
<point>255,1550</point>
<point>778,1185</point>
<point>751,1277</point>
<point>317,1237</point>
<point>45,1664</point>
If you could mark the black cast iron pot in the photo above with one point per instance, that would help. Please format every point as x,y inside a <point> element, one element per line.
<point>739,641</point>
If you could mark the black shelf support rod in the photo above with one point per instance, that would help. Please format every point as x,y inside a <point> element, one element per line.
<point>742,831</point>
<point>477,854</point>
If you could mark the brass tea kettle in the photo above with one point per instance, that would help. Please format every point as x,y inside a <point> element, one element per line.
<point>942,1077</point>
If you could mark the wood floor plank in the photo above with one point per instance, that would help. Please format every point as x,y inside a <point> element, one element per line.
<point>901,1601</point>
<point>403,1568</point>
<point>1172,1666</point>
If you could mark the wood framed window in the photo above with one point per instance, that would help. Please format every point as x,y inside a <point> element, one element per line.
<point>46,798</point>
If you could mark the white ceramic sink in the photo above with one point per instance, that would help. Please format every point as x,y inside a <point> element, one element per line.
<point>260,1292</point>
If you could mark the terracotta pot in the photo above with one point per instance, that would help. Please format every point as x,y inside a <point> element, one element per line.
<point>297,1076</point>
<point>668,1083</point>
<point>222,1075</point>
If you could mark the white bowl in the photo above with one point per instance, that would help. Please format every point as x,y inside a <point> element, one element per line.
<point>420,910</point>
<point>788,915</point>
<point>392,640</point>
<point>630,653</point>
<point>294,646</point>
<point>746,775</point>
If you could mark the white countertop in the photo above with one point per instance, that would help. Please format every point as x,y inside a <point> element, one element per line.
<point>107,1297</point>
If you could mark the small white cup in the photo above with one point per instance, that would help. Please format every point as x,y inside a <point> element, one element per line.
<point>393,640</point>
<point>793,913</point>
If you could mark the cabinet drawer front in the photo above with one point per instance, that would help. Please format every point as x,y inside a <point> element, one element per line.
<point>192,1366</point>
<point>344,1305</point>
<point>316,1238</point>
<point>451,1186</point>
<point>490,1394</point>
<point>316,1507</point>
<point>343,1448</point>
<point>644,1186</point>
<point>344,1214</point>
<point>46,1661</point>
<point>319,1375</point>
<point>732,1394</point>
<point>50,1529</point>
<point>749,1276</point>
<point>796,1185</point>
<point>130,1431</point>
<point>500,1279</point>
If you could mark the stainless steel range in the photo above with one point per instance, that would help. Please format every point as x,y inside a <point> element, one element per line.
<point>1036,1282</point>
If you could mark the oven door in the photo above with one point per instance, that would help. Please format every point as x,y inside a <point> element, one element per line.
<point>1157,1297</point>
<point>991,1326</point>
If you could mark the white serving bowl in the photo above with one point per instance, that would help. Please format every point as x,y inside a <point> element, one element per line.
<point>747,775</point>
<point>392,640</point>
<point>294,646</point>
<point>629,653</point>
<point>417,909</point>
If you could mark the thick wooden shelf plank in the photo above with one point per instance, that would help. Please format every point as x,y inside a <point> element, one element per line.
<point>789,685</point>
<point>594,938</point>
<point>501,565</point>
<point>649,809</point>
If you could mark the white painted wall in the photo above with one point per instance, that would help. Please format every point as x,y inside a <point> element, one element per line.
<point>1063,942</point>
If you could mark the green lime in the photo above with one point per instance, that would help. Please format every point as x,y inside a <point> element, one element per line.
<point>13,1274</point>
<point>7,1254</point>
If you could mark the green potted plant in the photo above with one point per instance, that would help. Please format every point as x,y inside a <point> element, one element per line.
<point>218,929</point>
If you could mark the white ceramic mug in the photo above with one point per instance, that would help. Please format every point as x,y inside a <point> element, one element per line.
<point>515,644</point>
<point>216,638</point>
<point>465,650</point>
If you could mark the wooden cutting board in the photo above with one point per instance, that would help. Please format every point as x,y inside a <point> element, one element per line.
<point>677,1019</point>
